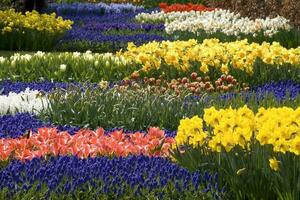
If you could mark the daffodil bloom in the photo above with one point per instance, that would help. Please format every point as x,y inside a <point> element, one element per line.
<point>190,131</point>
<point>16,21</point>
<point>212,53</point>
<point>274,164</point>
<point>240,171</point>
<point>229,128</point>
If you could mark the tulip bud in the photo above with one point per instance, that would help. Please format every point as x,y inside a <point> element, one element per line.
<point>194,75</point>
<point>184,80</point>
<point>198,79</point>
<point>135,75</point>
<point>223,77</point>
<point>229,78</point>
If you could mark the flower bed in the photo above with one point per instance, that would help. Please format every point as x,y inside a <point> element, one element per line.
<point>32,31</point>
<point>130,177</point>
<point>184,115</point>
<point>88,8</point>
<point>224,25</point>
<point>244,143</point>
<point>99,35</point>
<point>183,7</point>
<point>85,143</point>
<point>187,56</point>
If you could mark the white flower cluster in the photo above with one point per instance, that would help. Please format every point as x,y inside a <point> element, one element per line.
<point>61,59</point>
<point>162,17</point>
<point>27,101</point>
<point>17,58</point>
<point>219,20</point>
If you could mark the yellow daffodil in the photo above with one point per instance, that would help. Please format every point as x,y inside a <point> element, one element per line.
<point>228,128</point>
<point>274,164</point>
<point>16,21</point>
<point>212,54</point>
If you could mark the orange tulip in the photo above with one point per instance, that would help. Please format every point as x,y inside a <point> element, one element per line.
<point>85,143</point>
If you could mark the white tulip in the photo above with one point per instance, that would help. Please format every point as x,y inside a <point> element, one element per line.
<point>39,54</point>
<point>96,63</point>
<point>63,67</point>
<point>107,63</point>
<point>2,59</point>
<point>76,54</point>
